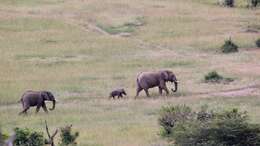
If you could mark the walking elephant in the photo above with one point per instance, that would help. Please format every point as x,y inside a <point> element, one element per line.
<point>118,92</point>
<point>146,80</point>
<point>37,98</point>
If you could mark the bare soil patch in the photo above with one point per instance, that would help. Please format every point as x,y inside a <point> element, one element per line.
<point>243,91</point>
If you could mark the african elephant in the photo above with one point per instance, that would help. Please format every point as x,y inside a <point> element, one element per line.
<point>37,98</point>
<point>146,80</point>
<point>118,92</point>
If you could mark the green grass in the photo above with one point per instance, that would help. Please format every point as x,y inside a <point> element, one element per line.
<point>117,29</point>
<point>29,2</point>
<point>128,27</point>
<point>50,45</point>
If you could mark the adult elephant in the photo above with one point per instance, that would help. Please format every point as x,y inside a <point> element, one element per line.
<point>146,80</point>
<point>37,98</point>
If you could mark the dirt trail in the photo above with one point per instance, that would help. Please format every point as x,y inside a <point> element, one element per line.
<point>243,91</point>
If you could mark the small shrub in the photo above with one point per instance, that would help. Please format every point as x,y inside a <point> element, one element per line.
<point>229,47</point>
<point>228,3</point>
<point>204,114</point>
<point>254,3</point>
<point>27,137</point>
<point>258,43</point>
<point>214,77</point>
<point>1,138</point>
<point>67,138</point>
<point>212,128</point>
<point>170,115</point>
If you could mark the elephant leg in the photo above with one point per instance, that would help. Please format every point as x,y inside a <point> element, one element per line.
<point>44,108</point>
<point>24,111</point>
<point>160,90</point>
<point>147,93</point>
<point>111,97</point>
<point>37,109</point>
<point>138,90</point>
<point>166,90</point>
<point>164,87</point>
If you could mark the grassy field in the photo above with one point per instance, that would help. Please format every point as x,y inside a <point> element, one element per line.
<point>82,49</point>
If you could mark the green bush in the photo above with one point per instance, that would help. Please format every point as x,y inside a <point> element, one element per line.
<point>258,43</point>
<point>229,3</point>
<point>1,139</point>
<point>211,128</point>
<point>27,137</point>
<point>254,3</point>
<point>214,77</point>
<point>67,137</point>
<point>229,47</point>
<point>171,115</point>
<point>204,114</point>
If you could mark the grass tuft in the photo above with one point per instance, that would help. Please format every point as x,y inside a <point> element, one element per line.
<point>257,42</point>
<point>229,47</point>
<point>128,27</point>
<point>214,77</point>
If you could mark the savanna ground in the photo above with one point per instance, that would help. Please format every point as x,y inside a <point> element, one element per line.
<point>82,49</point>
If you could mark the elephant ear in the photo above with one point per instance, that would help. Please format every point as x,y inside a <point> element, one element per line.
<point>44,95</point>
<point>164,75</point>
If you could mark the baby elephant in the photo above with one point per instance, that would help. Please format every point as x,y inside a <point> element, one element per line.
<point>118,92</point>
<point>36,98</point>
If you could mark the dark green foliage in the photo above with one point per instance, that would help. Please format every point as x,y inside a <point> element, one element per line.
<point>229,47</point>
<point>1,138</point>
<point>204,114</point>
<point>27,137</point>
<point>170,115</point>
<point>258,43</point>
<point>229,3</point>
<point>67,137</point>
<point>214,77</point>
<point>211,128</point>
<point>254,3</point>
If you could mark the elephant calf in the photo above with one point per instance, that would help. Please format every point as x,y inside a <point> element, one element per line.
<point>118,92</point>
<point>146,80</point>
<point>36,98</point>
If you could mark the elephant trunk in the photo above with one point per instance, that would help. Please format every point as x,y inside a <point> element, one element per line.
<point>176,86</point>
<point>53,106</point>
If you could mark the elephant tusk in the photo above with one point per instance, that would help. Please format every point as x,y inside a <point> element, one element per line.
<point>176,86</point>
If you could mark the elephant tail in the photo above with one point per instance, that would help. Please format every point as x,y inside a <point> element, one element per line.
<point>21,99</point>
